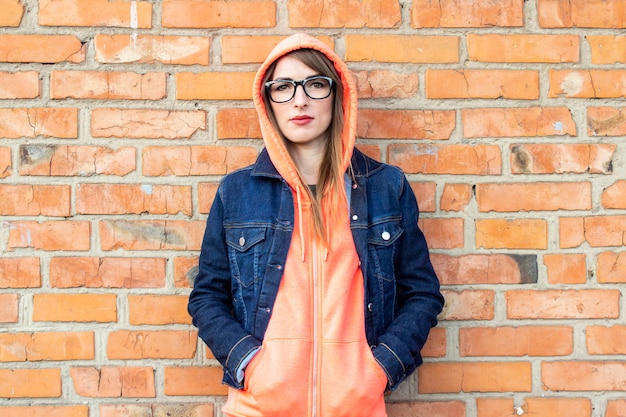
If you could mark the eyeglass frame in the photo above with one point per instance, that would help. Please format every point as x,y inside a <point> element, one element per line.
<point>295,84</point>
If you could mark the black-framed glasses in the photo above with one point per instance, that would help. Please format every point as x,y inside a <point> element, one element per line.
<point>317,87</point>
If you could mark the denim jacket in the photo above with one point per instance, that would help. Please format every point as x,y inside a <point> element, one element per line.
<point>245,246</point>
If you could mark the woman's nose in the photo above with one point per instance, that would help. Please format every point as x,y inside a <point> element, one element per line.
<point>300,98</point>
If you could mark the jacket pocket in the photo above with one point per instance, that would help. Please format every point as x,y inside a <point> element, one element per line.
<point>245,250</point>
<point>381,242</point>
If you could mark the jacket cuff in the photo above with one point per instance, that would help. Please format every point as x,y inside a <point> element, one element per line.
<point>238,358</point>
<point>391,364</point>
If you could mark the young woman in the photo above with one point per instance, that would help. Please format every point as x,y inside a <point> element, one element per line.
<point>315,288</point>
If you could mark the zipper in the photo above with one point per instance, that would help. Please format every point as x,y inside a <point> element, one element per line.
<point>315,327</point>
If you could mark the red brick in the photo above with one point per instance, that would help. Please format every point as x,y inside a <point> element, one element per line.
<point>594,14</point>
<point>606,121</point>
<point>611,267</point>
<point>344,14</point>
<point>511,233</point>
<point>12,12</point>
<point>443,233</point>
<point>195,160</point>
<point>214,85</point>
<point>426,409</point>
<point>20,273</point>
<point>157,410</point>
<point>455,197</point>
<point>485,269</point>
<point>614,196</point>
<point>9,308</point>
<point>133,199</point>
<point>566,268</point>
<point>457,14</point>
<point>126,14</point>
<point>107,85</point>
<point>45,410</point>
<point>512,122</point>
<point>16,85</point>
<point>99,308</point>
<point>598,231</point>
<point>516,341</point>
<point>562,304</point>
<point>218,14</point>
<point>386,84</point>
<point>604,340</point>
<point>6,165</point>
<point>112,382</point>
<point>607,49</point>
<point>615,408</point>
<point>583,375</point>
<point>587,84</point>
<point>148,49</point>
<point>50,235</point>
<point>46,346</point>
<point>435,346</point>
<point>192,381</point>
<point>405,124</point>
<point>32,122</point>
<point>496,407</point>
<point>459,159</point>
<point>548,158</point>
<point>93,272</point>
<point>151,234</point>
<point>158,310</point>
<point>238,124</point>
<point>253,49</point>
<point>18,383</point>
<point>403,49</point>
<point>469,305</point>
<point>425,193</point>
<point>146,123</point>
<point>206,195</point>
<point>571,232</point>
<point>45,49</point>
<point>548,407</point>
<point>488,84</point>
<point>538,196</point>
<point>128,345</point>
<point>466,377</point>
<point>35,200</point>
<point>185,270</point>
<point>523,48</point>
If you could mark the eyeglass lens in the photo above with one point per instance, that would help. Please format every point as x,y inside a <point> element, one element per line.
<point>316,88</point>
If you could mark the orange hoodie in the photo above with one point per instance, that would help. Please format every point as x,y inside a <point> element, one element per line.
<point>315,360</point>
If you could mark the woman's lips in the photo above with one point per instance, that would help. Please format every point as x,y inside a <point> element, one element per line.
<point>301,120</point>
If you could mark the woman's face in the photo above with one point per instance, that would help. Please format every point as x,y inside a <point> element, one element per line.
<point>304,121</point>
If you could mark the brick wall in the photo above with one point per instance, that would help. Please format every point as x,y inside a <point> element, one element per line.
<point>118,118</point>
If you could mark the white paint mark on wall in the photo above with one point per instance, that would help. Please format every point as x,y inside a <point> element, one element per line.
<point>572,84</point>
<point>558,126</point>
<point>133,20</point>
<point>146,189</point>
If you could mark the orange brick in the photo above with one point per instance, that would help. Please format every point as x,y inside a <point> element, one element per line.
<point>126,14</point>
<point>93,272</point>
<point>607,49</point>
<point>218,14</point>
<point>133,199</point>
<point>6,164</point>
<point>32,122</point>
<point>214,86</point>
<point>107,85</point>
<point>343,14</point>
<point>45,410</point>
<point>238,124</point>
<point>50,235</point>
<point>495,407</point>
<point>20,273</point>
<point>516,341</point>
<point>603,230</point>
<point>562,304</point>
<point>443,233</point>
<point>12,12</point>
<point>99,308</point>
<point>147,49</point>
<point>459,377</point>
<point>206,195</point>
<point>425,194</point>
<point>511,234</point>
<point>146,123</point>
<point>373,151</point>
<point>435,346</point>
<point>457,14</point>
<point>547,158</point>
<point>614,196</point>
<point>251,49</point>
<point>468,305</point>
<point>192,381</point>
<point>70,161</point>
<point>510,122</point>
<point>185,271</point>
<point>546,407</point>
<point>386,84</point>
<point>446,159</point>
<point>581,13</point>
<point>403,49</point>
<point>18,383</point>
<point>604,340</point>
<point>124,382</point>
<point>485,269</point>
<point>583,375</point>
<point>426,408</point>
<point>23,84</point>
<point>455,197</point>
<point>196,160</point>
<point>9,308</point>
<point>45,49</point>
<point>611,267</point>
<point>35,200</point>
<point>151,234</point>
<point>158,310</point>
<point>489,84</point>
<point>46,346</point>
<point>571,232</point>
<point>405,124</point>
<point>538,196</point>
<point>157,410</point>
<point>587,84</point>
<point>526,48</point>
<point>606,121</point>
<point>615,408</point>
<point>128,345</point>
<point>566,268</point>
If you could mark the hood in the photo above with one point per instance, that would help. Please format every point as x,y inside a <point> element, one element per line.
<point>273,143</point>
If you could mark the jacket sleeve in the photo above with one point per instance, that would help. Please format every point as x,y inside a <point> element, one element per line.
<point>418,297</point>
<point>210,303</point>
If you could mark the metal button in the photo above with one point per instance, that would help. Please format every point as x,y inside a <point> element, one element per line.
<point>355,217</point>
<point>354,186</point>
<point>370,307</point>
<point>242,241</point>
<point>386,236</point>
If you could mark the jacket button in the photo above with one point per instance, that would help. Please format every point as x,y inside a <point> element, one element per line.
<point>386,236</point>
<point>355,217</point>
<point>242,241</point>
<point>370,307</point>
<point>354,186</point>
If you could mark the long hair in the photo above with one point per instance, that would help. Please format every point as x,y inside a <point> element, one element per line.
<point>330,176</point>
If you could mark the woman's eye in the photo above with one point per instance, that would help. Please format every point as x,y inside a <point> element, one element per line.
<point>282,87</point>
